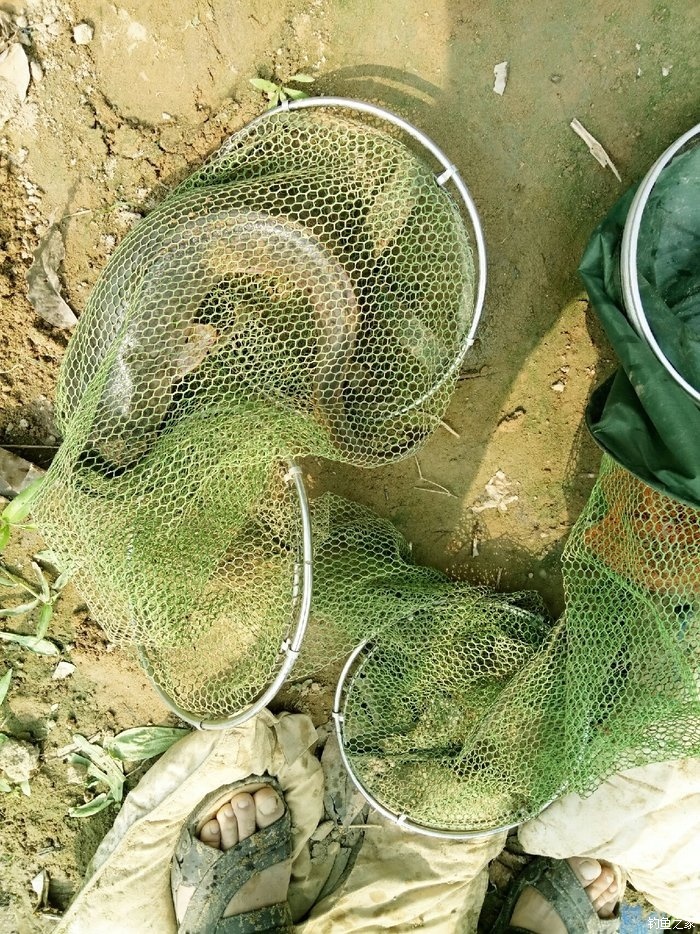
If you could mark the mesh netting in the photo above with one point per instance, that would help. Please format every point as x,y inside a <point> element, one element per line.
<point>468,711</point>
<point>632,578</point>
<point>309,290</point>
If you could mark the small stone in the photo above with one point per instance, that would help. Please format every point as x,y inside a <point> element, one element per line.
<point>559,386</point>
<point>37,72</point>
<point>18,760</point>
<point>21,22</point>
<point>83,33</point>
<point>23,423</point>
<point>666,70</point>
<point>54,29</point>
<point>62,670</point>
<point>555,79</point>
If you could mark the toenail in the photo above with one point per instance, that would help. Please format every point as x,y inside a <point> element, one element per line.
<point>268,805</point>
<point>228,810</point>
<point>242,803</point>
<point>589,870</point>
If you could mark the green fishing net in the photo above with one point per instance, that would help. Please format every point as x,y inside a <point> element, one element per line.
<point>466,711</point>
<point>310,290</point>
<point>469,711</point>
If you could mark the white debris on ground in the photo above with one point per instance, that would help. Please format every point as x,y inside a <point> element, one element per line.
<point>62,671</point>
<point>40,887</point>
<point>14,80</point>
<point>498,494</point>
<point>44,291</point>
<point>500,74</point>
<point>83,34</point>
<point>18,760</point>
<point>594,147</point>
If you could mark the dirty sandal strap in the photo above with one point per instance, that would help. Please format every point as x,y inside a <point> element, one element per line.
<point>556,881</point>
<point>217,876</point>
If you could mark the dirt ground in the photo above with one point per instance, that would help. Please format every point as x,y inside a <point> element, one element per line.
<point>109,126</point>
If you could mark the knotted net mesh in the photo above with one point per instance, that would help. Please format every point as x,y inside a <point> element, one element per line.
<point>470,711</point>
<point>309,290</point>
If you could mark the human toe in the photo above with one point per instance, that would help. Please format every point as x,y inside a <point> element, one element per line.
<point>211,834</point>
<point>228,824</point>
<point>585,869</point>
<point>595,889</point>
<point>269,807</point>
<point>244,809</point>
<point>605,903</point>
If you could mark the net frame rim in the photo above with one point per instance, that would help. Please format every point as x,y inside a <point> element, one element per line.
<point>290,647</point>
<point>628,261</point>
<point>450,173</point>
<point>401,820</point>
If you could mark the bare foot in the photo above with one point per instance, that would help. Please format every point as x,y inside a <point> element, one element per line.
<point>236,820</point>
<point>534,913</point>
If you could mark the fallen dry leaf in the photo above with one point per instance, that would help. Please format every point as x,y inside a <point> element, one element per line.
<point>44,286</point>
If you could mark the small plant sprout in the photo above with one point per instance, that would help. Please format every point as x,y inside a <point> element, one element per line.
<point>277,92</point>
<point>104,766</point>
<point>14,514</point>
<point>41,595</point>
<point>32,595</point>
<point>5,685</point>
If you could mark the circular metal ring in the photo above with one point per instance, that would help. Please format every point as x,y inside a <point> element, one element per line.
<point>628,261</point>
<point>450,174</point>
<point>290,648</point>
<point>402,820</point>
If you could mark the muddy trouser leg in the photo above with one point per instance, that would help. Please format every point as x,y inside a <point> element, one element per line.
<point>403,881</point>
<point>646,820</point>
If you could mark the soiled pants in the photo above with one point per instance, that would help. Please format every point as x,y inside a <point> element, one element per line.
<point>646,820</point>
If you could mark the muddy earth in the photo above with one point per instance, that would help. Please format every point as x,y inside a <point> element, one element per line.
<point>114,103</point>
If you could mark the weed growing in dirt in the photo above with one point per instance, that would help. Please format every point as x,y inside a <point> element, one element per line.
<point>105,769</point>
<point>277,92</point>
<point>33,595</point>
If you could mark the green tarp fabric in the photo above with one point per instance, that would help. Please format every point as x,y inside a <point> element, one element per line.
<point>640,416</point>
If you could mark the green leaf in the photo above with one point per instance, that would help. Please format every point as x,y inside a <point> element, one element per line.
<point>43,583</point>
<point>5,532</point>
<point>61,581</point>
<point>116,788</point>
<point>40,646</point>
<point>3,739</point>
<point>295,94</point>
<point>5,685</point>
<point>19,609</point>
<point>269,87</point>
<point>45,614</point>
<point>113,774</point>
<point>25,789</point>
<point>7,579</point>
<point>75,759</point>
<point>5,786</point>
<point>302,79</point>
<point>92,807</point>
<point>21,505</point>
<point>143,742</point>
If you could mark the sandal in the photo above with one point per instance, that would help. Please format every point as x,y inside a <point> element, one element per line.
<point>217,876</point>
<point>556,881</point>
